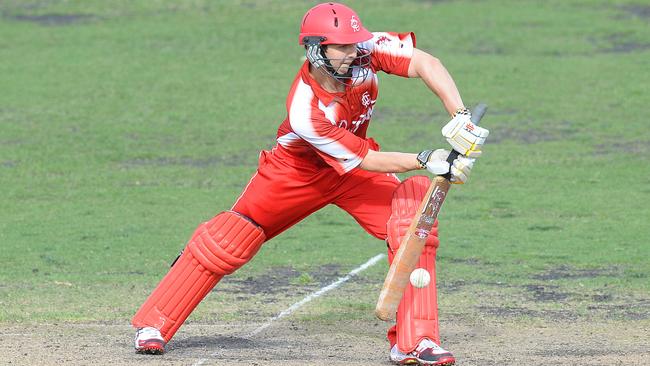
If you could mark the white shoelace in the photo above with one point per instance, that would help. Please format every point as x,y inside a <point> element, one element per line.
<point>427,343</point>
<point>149,333</point>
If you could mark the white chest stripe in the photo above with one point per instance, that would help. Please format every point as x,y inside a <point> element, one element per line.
<point>302,124</point>
<point>329,112</point>
<point>286,140</point>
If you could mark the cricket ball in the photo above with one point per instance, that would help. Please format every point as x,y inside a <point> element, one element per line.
<point>420,278</point>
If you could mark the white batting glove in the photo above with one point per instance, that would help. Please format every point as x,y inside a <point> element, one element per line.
<point>464,136</point>
<point>436,163</point>
<point>461,168</point>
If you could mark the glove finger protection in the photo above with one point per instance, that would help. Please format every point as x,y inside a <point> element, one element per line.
<point>464,136</point>
<point>436,163</point>
<point>460,169</point>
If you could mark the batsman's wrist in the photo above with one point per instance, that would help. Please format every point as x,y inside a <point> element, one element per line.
<point>423,158</point>
<point>462,110</point>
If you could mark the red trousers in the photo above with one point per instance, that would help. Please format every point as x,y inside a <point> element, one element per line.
<point>285,190</point>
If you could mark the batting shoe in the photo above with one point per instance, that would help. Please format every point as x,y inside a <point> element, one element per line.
<point>149,341</point>
<point>426,353</point>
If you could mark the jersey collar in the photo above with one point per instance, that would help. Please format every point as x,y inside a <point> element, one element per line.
<point>323,95</point>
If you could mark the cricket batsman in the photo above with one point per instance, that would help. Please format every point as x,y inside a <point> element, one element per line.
<point>324,157</point>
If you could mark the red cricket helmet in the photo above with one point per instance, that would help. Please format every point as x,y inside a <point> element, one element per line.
<point>333,23</point>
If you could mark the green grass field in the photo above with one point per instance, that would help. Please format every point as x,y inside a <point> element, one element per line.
<point>123,125</point>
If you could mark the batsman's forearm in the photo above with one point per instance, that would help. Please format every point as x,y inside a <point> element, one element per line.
<point>389,162</point>
<point>437,78</point>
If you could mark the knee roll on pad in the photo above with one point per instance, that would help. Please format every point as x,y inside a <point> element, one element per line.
<point>217,248</point>
<point>417,314</point>
<point>225,243</point>
<point>406,201</point>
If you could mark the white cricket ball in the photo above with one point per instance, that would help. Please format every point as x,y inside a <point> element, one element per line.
<point>420,278</point>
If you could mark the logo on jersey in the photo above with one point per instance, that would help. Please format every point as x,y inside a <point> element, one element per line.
<point>381,40</point>
<point>365,99</point>
<point>354,23</point>
<point>362,119</point>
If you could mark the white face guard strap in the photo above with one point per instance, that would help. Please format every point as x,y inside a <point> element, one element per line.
<point>314,55</point>
<point>314,51</point>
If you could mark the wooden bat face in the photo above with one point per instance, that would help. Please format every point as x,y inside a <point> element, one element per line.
<point>431,208</point>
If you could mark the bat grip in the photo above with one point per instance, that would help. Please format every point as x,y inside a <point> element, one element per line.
<point>477,114</point>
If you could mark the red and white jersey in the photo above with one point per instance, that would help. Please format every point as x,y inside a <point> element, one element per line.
<point>324,128</point>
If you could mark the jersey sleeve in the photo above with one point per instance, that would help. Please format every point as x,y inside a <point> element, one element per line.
<point>340,148</point>
<point>391,52</point>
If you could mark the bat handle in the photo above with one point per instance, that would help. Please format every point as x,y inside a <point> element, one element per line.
<point>477,114</point>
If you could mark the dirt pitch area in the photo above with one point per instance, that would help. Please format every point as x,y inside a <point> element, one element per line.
<point>344,343</point>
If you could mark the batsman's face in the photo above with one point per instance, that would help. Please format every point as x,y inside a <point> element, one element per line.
<point>341,56</point>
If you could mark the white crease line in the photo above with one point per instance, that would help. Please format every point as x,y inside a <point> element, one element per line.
<point>316,294</point>
<point>372,261</point>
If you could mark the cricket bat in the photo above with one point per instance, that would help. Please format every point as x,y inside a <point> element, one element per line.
<point>412,244</point>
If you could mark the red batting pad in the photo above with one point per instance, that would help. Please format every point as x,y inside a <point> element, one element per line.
<point>417,314</point>
<point>217,248</point>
